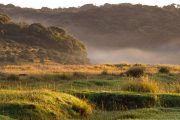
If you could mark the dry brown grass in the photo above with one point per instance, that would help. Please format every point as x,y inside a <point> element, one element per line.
<point>54,68</point>
<point>57,68</point>
<point>143,84</point>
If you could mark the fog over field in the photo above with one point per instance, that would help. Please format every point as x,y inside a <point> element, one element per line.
<point>115,33</point>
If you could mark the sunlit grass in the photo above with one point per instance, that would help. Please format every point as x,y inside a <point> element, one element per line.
<point>41,105</point>
<point>33,79</point>
<point>55,68</point>
<point>143,84</point>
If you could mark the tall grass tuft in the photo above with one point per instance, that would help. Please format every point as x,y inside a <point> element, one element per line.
<point>175,87</point>
<point>142,84</point>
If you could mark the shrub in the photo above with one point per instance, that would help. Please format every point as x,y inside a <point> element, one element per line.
<point>164,70</point>
<point>60,77</point>
<point>64,77</point>
<point>79,75</point>
<point>37,28</point>
<point>13,77</point>
<point>56,30</point>
<point>118,101</point>
<point>104,72</point>
<point>135,72</point>
<point>141,85</point>
<point>4,18</point>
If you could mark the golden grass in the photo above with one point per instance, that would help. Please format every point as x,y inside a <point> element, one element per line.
<point>143,84</point>
<point>41,105</point>
<point>54,68</point>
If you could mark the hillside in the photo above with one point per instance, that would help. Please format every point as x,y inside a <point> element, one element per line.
<point>41,105</point>
<point>20,42</point>
<point>126,32</point>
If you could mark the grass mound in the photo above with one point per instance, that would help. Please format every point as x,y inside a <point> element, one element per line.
<point>112,101</point>
<point>118,100</point>
<point>41,105</point>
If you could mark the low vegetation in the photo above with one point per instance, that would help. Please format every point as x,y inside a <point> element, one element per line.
<point>4,18</point>
<point>169,100</point>
<point>138,114</point>
<point>142,85</point>
<point>23,43</point>
<point>164,70</point>
<point>29,91</point>
<point>41,105</point>
<point>117,100</point>
<point>128,100</point>
<point>136,72</point>
<point>13,77</point>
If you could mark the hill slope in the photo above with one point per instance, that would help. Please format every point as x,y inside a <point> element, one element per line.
<point>115,32</point>
<point>41,105</point>
<point>27,43</point>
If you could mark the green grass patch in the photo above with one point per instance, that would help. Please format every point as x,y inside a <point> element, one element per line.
<point>169,100</point>
<point>95,82</point>
<point>165,77</point>
<point>2,117</point>
<point>41,105</point>
<point>118,100</point>
<point>128,100</point>
<point>137,114</point>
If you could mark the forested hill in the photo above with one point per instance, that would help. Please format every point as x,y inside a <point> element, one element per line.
<point>21,42</point>
<point>149,31</point>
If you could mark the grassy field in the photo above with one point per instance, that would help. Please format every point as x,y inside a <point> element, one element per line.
<point>92,92</point>
<point>143,114</point>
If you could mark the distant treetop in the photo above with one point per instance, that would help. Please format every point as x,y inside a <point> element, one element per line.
<point>4,18</point>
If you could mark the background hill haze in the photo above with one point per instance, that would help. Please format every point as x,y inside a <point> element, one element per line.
<point>115,33</point>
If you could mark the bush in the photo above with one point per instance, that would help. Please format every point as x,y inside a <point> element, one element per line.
<point>118,101</point>
<point>104,72</point>
<point>37,28</point>
<point>164,70</point>
<point>141,85</point>
<point>80,75</point>
<point>65,77</point>
<point>169,100</point>
<point>4,18</point>
<point>57,77</point>
<point>13,77</point>
<point>136,72</point>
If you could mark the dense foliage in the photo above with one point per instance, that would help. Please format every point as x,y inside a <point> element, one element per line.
<point>22,42</point>
<point>136,72</point>
<point>4,18</point>
<point>164,70</point>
